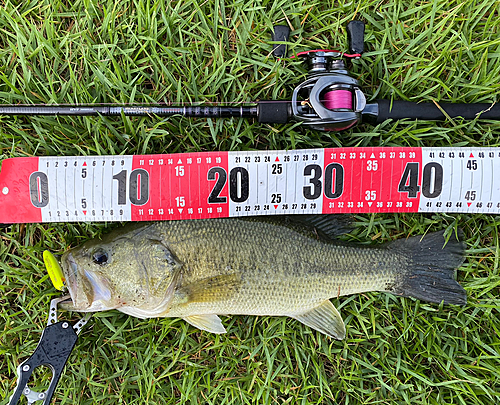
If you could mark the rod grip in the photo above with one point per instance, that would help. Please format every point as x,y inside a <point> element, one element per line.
<point>273,112</point>
<point>398,110</point>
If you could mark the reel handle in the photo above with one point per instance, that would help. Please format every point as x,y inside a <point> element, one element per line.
<point>398,110</point>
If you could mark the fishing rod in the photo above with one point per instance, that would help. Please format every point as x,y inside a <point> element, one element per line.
<point>329,99</point>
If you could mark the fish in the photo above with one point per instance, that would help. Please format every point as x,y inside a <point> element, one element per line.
<point>199,270</point>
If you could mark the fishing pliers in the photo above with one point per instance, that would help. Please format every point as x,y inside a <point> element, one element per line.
<point>55,346</point>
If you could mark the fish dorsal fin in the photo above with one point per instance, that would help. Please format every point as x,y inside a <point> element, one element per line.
<point>209,322</point>
<point>216,288</point>
<point>328,226</point>
<point>325,319</point>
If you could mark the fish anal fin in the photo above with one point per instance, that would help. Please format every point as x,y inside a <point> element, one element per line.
<point>209,322</point>
<point>325,319</point>
<point>221,287</point>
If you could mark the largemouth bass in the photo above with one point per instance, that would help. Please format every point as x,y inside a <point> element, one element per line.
<point>199,269</point>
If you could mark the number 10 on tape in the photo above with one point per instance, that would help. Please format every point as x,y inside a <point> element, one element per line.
<point>231,184</point>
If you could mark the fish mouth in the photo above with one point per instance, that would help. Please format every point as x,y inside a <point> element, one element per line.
<point>79,302</point>
<point>88,291</point>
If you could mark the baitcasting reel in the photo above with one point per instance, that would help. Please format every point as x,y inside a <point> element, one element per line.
<point>329,99</point>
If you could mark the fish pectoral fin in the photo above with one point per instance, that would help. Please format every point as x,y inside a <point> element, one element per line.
<point>325,319</point>
<point>208,322</point>
<point>217,288</point>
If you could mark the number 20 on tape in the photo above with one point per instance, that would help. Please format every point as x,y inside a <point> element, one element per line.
<point>231,184</point>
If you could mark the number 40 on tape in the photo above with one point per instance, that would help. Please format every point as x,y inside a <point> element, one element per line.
<point>232,184</point>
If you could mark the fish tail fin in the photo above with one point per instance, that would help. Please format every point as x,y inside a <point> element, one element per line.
<point>430,275</point>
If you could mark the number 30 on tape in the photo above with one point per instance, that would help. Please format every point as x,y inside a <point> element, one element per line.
<point>231,184</point>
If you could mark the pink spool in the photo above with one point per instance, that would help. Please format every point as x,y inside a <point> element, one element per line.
<point>336,99</point>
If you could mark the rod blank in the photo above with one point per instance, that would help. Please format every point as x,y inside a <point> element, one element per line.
<point>188,111</point>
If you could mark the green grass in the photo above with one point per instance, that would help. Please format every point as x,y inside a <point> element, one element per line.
<point>397,351</point>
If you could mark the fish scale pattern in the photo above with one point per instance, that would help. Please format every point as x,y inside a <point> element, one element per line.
<point>271,269</point>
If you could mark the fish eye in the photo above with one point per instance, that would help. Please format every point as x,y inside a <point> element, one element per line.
<point>100,257</point>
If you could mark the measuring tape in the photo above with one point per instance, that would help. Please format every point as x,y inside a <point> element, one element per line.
<point>233,184</point>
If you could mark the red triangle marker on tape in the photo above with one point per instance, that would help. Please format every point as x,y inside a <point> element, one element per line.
<point>471,155</point>
<point>275,207</point>
<point>84,212</point>
<point>277,159</point>
<point>85,163</point>
<point>468,204</point>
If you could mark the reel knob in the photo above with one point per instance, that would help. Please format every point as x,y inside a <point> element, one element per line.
<point>356,36</point>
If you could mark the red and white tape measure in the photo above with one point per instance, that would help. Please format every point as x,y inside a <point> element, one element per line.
<point>232,184</point>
